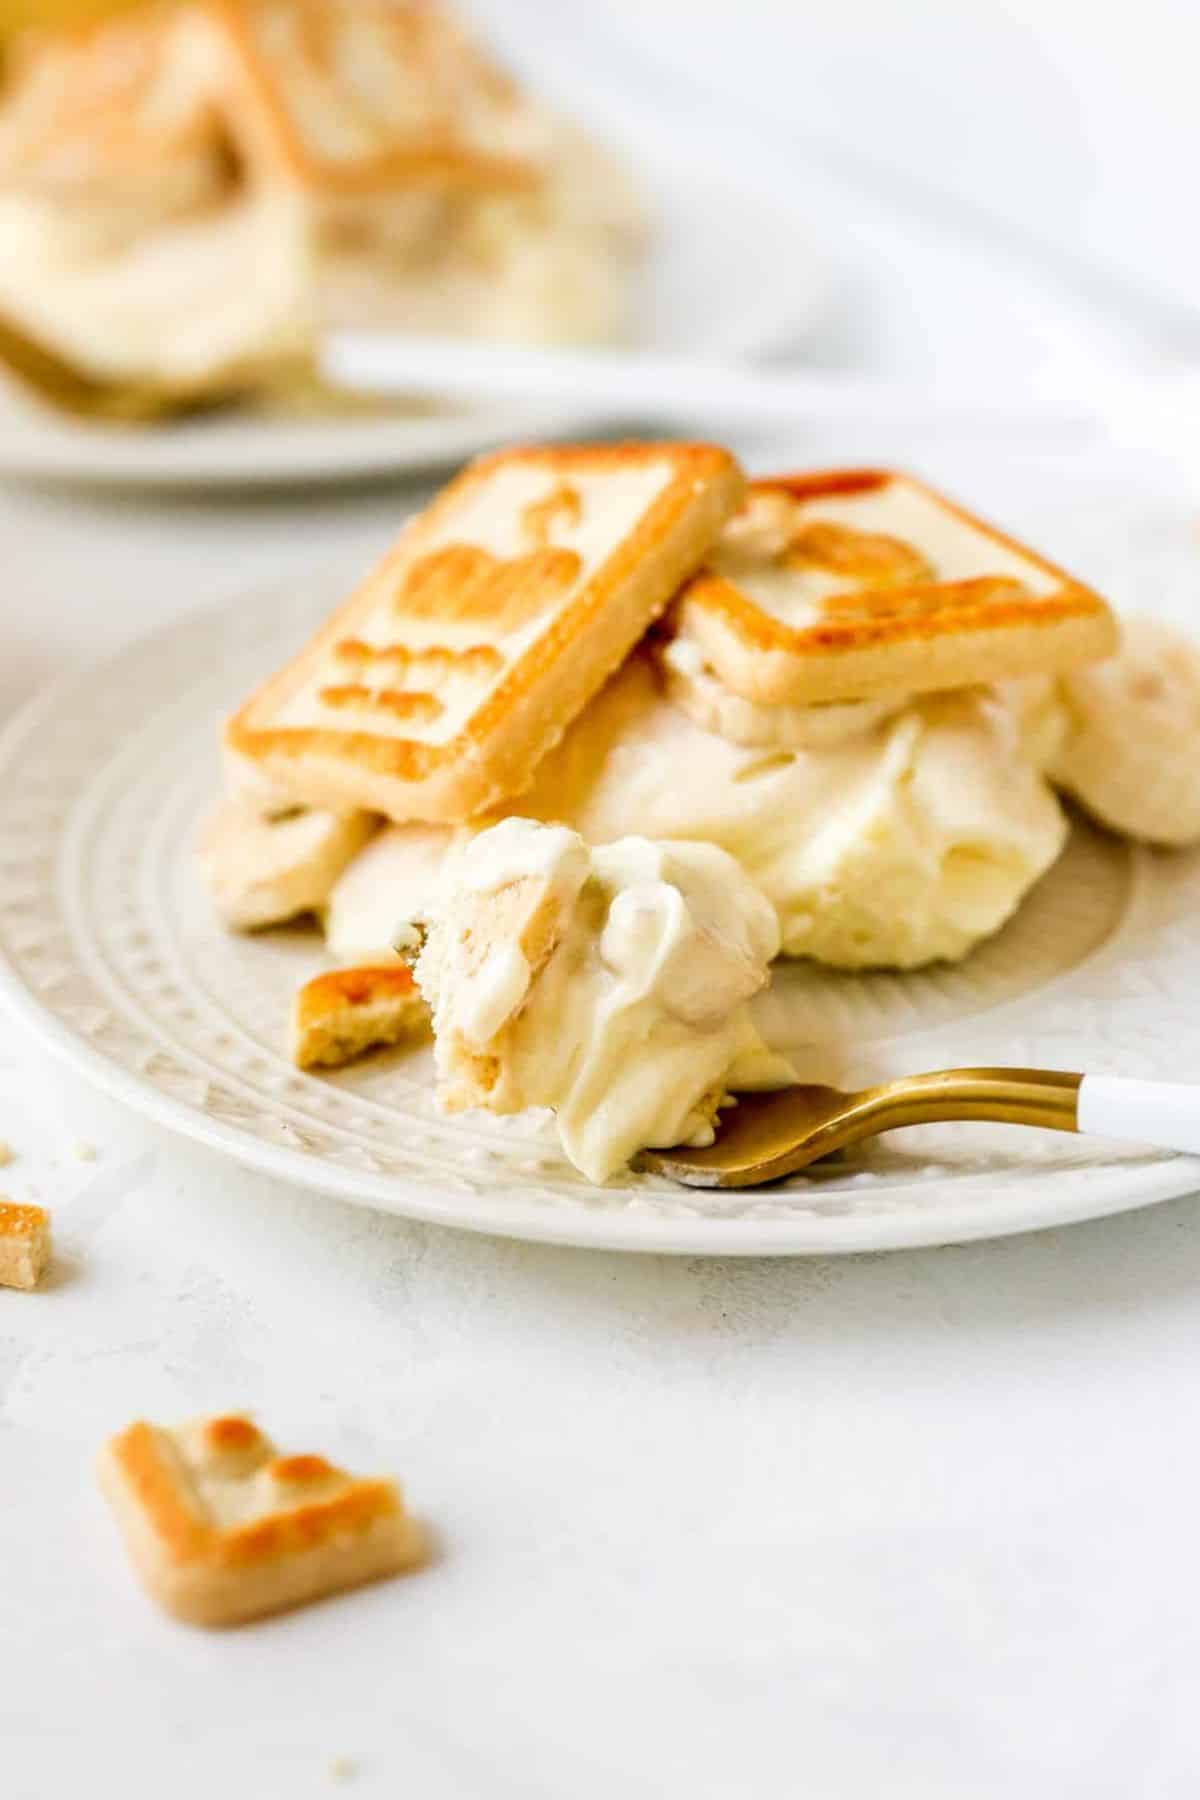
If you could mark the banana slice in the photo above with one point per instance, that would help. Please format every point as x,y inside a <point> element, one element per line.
<point>1043,722</point>
<point>264,868</point>
<point>695,689</point>
<point>1131,755</point>
<point>394,879</point>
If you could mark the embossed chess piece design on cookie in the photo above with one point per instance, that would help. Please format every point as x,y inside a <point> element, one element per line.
<point>437,688</point>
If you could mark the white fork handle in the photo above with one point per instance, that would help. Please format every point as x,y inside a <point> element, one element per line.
<point>620,381</point>
<point>1165,1113</point>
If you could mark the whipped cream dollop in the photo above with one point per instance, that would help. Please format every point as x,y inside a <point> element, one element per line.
<point>610,984</point>
<point>905,842</point>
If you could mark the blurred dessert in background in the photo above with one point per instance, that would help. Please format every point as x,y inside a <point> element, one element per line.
<point>191,193</point>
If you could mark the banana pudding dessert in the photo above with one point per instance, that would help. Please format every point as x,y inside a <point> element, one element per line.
<point>622,728</point>
<point>194,191</point>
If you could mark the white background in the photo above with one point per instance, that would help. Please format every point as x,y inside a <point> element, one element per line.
<point>1070,124</point>
<point>919,1525</point>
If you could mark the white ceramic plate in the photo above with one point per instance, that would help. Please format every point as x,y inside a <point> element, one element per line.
<point>108,953</point>
<point>731,273</point>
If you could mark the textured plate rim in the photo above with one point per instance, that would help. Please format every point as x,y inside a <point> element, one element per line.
<point>721,1237</point>
<point>1119,1187</point>
<point>338,450</point>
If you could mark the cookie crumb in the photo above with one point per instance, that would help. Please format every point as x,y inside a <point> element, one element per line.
<point>84,1152</point>
<point>24,1244</point>
<point>7,1154</point>
<point>343,1768</point>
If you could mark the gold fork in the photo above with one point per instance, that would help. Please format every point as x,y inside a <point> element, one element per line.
<point>767,1136</point>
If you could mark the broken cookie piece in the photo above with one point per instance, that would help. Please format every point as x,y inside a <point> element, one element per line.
<point>609,984</point>
<point>222,1529</point>
<point>24,1244</point>
<point>346,1012</point>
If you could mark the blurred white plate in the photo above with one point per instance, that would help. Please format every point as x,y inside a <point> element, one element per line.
<point>110,955</point>
<point>730,274</point>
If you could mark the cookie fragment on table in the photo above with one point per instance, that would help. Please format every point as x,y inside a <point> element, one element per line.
<point>24,1244</point>
<point>222,1529</point>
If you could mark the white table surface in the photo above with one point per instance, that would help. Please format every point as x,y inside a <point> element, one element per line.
<point>920,1525</point>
